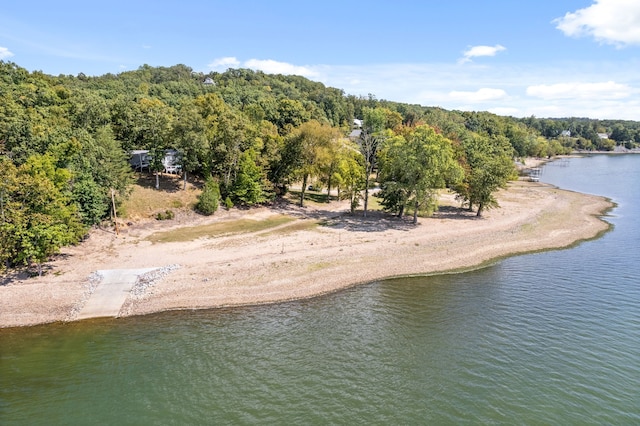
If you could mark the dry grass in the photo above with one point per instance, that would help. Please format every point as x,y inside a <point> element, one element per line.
<point>299,225</point>
<point>145,201</point>
<point>219,229</point>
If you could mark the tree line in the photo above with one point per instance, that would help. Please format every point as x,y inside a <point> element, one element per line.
<point>65,144</point>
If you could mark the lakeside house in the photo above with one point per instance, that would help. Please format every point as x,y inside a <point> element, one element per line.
<point>171,161</point>
<point>357,129</point>
<point>141,160</point>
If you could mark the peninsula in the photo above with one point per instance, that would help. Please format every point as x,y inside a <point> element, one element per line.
<point>268,255</point>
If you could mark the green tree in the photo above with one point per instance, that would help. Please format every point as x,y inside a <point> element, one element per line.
<point>227,134</point>
<point>291,114</point>
<point>209,199</point>
<point>350,175</point>
<point>414,167</point>
<point>371,138</point>
<point>38,216</point>
<point>154,126</point>
<point>247,187</point>
<point>189,137</point>
<point>490,166</point>
<point>307,144</point>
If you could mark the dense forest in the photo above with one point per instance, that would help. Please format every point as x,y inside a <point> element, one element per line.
<point>66,144</point>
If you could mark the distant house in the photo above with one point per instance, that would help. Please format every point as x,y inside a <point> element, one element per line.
<point>209,81</point>
<point>565,133</point>
<point>357,129</point>
<point>140,159</point>
<point>603,136</point>
<point>171,161</point>
<point>355,134</point>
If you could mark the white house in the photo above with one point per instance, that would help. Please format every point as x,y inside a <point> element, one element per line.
<point>140,159</point>
<point>171,161</point>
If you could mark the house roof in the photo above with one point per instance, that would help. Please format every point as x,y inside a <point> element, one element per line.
<point>355,133</point>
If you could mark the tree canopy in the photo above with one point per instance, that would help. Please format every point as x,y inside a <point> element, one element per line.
<point>65,144</point>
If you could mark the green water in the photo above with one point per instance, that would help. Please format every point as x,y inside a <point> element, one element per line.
<point>548,338</point>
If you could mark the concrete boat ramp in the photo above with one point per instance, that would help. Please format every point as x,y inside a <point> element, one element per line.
<point>111,293</point>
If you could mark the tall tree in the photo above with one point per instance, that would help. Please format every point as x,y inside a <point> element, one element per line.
<point>38,216</point>
<point>307,143</point>
<point>350,175</point>
<point>371,138</point>
<point>189,137</point>
<point>415,167</point>
<point>154,125</point>
<point>489,164</point>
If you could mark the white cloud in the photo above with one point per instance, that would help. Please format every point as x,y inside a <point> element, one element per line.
<point>222,64</point>
<point>5,53</point>
<point>509,111</point>
<point>480,95</point>
<point>274,67</point>
<point>268,66</point>
<point>477,51</point>
<point>578,90</point>
<point>608,21</point>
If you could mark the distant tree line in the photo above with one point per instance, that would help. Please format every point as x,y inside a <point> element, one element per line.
<point>65,144</point>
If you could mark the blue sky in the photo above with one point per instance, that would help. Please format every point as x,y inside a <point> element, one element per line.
<point>548,58</point>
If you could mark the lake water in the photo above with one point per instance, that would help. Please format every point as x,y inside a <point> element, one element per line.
<point>546,338</point>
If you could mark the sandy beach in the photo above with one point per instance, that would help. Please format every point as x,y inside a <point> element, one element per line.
<point>312,251</point>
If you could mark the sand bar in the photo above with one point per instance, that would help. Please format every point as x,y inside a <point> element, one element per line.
<point>299,259</point>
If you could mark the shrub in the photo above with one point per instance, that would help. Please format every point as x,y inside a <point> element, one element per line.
<point>167,215</point>
<point>228,203</point>
<point>209,199</point>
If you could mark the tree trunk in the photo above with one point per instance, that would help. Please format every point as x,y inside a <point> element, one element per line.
<point>115,211</point>
<point>480,206</point>
<point>157,180</point>
<point>329,189</point>
<point>184,179</point>
<point>304,187</point>
<point>415,213</point>
<point>366,194</point>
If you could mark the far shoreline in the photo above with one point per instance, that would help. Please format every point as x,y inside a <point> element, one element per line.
<point>305,262</point>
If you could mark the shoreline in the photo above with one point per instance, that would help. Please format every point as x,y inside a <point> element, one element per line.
<point>300,259</point>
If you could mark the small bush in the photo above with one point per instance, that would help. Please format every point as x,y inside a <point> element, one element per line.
<point>228,203</point>
<point>209,200</point>
<point>167,215</point>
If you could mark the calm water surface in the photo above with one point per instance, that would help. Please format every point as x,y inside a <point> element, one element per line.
<point>547,338</point>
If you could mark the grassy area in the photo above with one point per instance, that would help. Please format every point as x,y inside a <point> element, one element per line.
<point>313,198</point>
<point>240,226</point>
<point>299,225</point>
<point>145,201</point>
